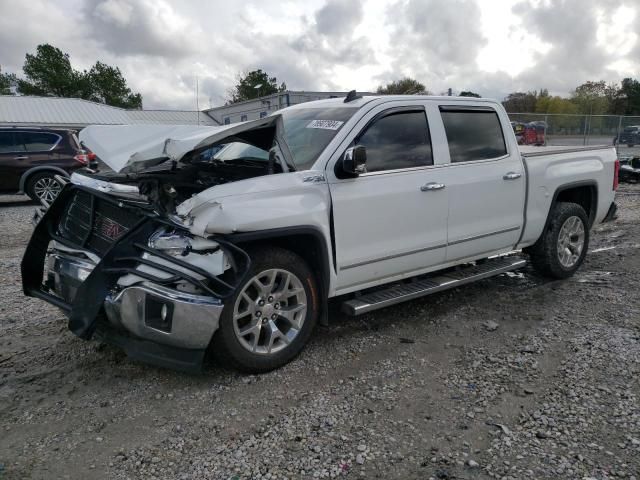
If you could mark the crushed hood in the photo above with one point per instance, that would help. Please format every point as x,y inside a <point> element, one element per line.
<point>134,148</point>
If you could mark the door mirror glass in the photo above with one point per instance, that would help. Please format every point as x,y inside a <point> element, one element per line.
<point>354,160</point>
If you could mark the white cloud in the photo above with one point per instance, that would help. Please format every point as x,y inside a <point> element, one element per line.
<point>488,47</point>
<point>117,12</point>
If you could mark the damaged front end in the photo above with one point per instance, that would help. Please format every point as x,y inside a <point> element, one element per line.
<point>111,252</point>
<point>142,255</point>
<point>124,273</point>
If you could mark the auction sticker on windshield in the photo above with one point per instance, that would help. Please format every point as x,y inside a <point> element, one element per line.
<point>325,124</point>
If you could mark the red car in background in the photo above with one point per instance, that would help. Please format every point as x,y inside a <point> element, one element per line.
<point>532,133</point>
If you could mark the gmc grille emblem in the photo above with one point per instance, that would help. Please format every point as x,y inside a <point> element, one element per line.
<point>111,229</point>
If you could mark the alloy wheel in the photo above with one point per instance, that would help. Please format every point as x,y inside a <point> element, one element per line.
<point>269,312</point>
<point>47,189</point>
<point>570,241</point>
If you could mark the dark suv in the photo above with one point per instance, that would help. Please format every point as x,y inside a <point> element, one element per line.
<point>630,136</point>
<point>31,157</point>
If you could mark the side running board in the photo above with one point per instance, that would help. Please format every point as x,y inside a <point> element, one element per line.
<point>426,286</point>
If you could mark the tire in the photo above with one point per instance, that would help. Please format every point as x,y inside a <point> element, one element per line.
<point>272,339</point>
<point>43,186</point>
<point>547,256</point>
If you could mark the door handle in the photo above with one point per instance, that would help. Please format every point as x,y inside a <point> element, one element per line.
<point>511,176</point>
<point>21,157</point>
<point>431,186</point>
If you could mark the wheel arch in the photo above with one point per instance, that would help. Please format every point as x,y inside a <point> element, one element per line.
<point>306,241</point>
<point>26,175</point>
<point>584,193</point>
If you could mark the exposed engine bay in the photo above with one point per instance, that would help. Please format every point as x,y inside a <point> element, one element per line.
<point>167,165</point>
<point>167,186</point>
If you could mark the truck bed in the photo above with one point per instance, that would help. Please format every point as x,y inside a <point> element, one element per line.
<point>549,168</point>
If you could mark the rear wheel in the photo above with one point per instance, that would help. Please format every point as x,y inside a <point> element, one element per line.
<point>562,247</point>
<point>271,317</point>
<point>43,186</point>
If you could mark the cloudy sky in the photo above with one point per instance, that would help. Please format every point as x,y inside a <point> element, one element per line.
<point>492,47</point>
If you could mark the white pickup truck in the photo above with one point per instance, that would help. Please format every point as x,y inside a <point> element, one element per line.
<point>232,239</point>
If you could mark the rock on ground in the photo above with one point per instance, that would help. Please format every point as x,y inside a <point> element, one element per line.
<point>552,393</point>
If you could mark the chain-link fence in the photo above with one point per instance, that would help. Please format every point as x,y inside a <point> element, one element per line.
<point>560,129</point>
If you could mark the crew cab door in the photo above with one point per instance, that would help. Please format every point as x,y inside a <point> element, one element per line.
<point>390,221</point>
<point>486,183</point>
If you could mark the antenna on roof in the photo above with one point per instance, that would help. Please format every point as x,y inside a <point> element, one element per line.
<point>351,96</point>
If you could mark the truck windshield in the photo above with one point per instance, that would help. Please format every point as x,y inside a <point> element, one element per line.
<point>240,151</point>
<point>308,131</point>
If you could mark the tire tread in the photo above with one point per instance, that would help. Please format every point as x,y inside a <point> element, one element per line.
<point>224,346</point>
<point>543,254</point>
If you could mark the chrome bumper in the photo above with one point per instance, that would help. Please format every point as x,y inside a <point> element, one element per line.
<point>164,315</point>
<point>146,311</point>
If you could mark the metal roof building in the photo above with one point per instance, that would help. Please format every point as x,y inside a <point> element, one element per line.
<point>77,113</point>
<point>263,106</point>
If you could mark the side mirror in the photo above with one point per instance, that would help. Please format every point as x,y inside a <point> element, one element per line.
<point>354,160</point>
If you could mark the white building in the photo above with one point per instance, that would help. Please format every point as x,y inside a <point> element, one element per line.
<point>263,106</point>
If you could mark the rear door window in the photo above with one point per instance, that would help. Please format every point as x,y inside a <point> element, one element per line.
<point>397,140</point>
<point>473,134</point>
<point>39,141</point>
<point>7,144</point>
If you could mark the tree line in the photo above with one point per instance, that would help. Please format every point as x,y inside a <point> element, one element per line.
<point>590,98</point>
<point>48,72</point>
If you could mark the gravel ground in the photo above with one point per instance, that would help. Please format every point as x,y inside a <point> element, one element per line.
<point>512,377</point>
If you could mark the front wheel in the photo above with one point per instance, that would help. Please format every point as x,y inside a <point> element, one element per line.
<point>562,247</point>
<point>272,315</point>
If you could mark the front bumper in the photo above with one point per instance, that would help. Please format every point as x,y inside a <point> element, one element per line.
<point>146,311</point>
<point>151,320</point>
<point>151,323</point>
<point>165,316</point>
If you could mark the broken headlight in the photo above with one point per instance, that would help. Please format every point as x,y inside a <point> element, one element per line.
<point>171,242</point>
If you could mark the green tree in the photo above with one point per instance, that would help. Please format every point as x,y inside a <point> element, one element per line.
<point>629,96</point>
<point>107,85</point>
<point>520,102</point>
<point>591,98</point>
<point>466,93</point>
<point>555,105</point>
<point>254,84</point>
<point>7,80</point>
<point>48,72</point>
<point>404,86</point>
<point>562,119</point>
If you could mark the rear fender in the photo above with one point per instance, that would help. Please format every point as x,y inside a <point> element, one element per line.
<point>25,176</point>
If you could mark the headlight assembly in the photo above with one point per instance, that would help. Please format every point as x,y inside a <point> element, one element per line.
<point>171,242</point>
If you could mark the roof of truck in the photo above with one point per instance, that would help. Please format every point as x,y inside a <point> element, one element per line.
<point>361,101</point>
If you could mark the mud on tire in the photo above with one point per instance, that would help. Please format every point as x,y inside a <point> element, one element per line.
<point>555,255</point>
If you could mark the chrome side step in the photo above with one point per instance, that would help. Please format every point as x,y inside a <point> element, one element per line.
<point>420,288</point>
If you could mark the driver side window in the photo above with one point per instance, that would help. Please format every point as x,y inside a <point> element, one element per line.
<point>397,140</point>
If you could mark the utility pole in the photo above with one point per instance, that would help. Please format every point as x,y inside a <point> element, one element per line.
<point>197,102</point>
